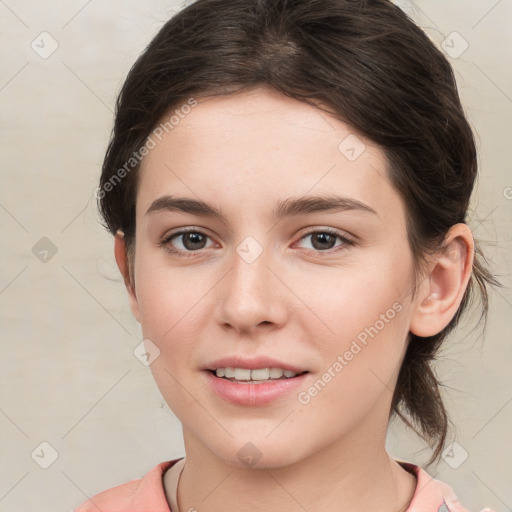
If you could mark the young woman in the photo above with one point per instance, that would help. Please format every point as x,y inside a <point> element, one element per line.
<point>288,184</point>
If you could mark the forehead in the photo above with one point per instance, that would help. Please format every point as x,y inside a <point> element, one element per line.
<point>262,144</point>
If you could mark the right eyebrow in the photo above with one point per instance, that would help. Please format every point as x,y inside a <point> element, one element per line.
<point>192,206</point>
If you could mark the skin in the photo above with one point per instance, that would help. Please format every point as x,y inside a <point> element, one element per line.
<point>243,153</point>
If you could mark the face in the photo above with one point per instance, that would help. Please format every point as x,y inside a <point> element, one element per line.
<point>298,260</point>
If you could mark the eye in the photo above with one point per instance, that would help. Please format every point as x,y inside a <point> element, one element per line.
<point>185,241</point>
<point>325,239</point>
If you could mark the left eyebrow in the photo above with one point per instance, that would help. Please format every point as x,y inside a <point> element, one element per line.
<point>313,204</point>
<point>285,208</point>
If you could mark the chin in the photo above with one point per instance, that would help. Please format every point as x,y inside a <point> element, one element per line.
<point>260,453</point>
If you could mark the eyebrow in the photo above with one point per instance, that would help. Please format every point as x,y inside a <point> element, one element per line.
<point>285,208</point>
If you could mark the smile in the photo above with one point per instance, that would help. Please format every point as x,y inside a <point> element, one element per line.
<point>246,375</point>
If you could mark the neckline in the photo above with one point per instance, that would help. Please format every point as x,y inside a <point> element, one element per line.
<point>179,464</point>
<point>174,476</point>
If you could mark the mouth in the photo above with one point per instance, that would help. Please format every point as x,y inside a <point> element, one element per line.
<point>254,386</point>
<point>254,381</point>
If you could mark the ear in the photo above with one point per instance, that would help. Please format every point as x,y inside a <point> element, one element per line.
<point>125,269</point>
<point>442,289</point>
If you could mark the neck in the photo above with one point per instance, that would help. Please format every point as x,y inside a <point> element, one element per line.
<point>348,475</point>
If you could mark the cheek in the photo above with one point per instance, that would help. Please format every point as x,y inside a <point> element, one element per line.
<point>361,324</point>
<point>171,303</point>
<point>171,312</point>
<point>348,302</point>
<point>360,366</point>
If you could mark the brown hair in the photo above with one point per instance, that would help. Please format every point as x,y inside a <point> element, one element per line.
<point>374,69</point>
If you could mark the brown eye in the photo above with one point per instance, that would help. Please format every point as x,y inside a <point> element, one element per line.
<point>185,242</point>
<point>192,241</point>
<point>325,239</point>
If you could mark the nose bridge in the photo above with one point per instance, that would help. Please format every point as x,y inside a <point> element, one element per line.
<point>251,294</point>
<point>250,262</point>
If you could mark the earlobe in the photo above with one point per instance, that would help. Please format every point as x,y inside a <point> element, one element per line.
<point>121,256</point>
<point>442,290</point>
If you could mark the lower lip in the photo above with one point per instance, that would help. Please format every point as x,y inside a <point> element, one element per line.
<point>253,394</point>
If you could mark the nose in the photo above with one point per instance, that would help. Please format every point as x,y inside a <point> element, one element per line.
<point>251,296</point>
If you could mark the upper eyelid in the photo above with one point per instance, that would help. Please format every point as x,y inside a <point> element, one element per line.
<point>335,231</point>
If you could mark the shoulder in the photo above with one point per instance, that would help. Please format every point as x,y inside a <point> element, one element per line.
<point>433,495</point>
<point>138,495</point>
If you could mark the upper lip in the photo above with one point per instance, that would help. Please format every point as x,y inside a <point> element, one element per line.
<point>252,363</point>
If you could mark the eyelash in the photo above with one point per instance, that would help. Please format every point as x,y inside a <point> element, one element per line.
<point>347,242</point>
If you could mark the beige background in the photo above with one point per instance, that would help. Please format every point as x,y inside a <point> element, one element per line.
<point>69,375</point>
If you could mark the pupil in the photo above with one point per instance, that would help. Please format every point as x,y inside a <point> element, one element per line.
<point>326,237</point>
<point>195,238</point>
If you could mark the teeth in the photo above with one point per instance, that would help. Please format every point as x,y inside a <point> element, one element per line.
<point>228,372</point>
<point>245,374</point>
<point>260,374</point>
<point>242,374</point>
<point>276,373</point>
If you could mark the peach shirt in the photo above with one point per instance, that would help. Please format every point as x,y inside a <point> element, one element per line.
<point>147,494</point>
